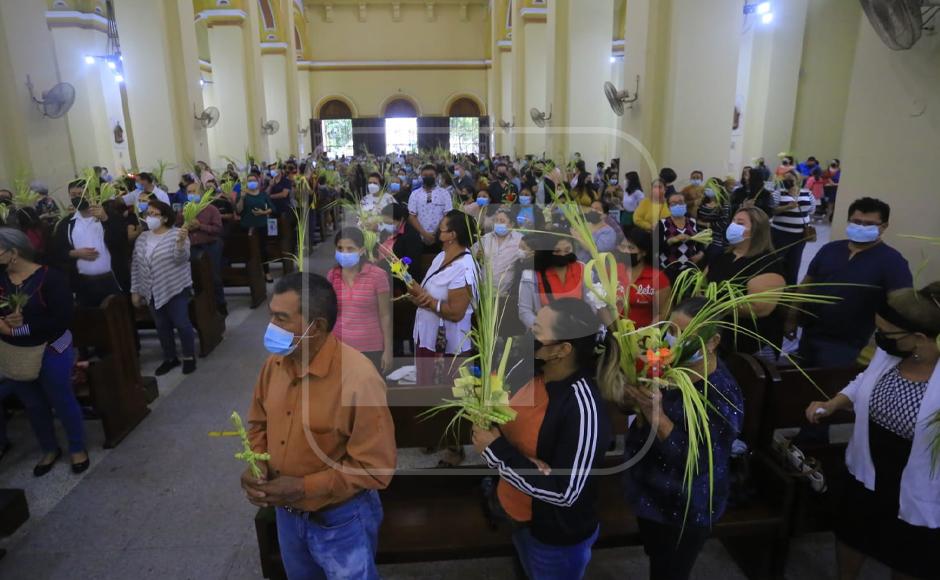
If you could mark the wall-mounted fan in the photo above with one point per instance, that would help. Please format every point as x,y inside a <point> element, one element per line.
<point>540,117</point>
<point>303,130</point>
<point>55,102</point>
<point>900,23</point>
<point>270,127</point>
<point>208,118</point>
<point>506,126</point>
<point>618,99</point>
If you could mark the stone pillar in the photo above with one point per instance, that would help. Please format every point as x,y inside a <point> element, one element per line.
<point>519,110</point>
<point>556,76</point>
<point>31,146</point>
<point>161,72</point>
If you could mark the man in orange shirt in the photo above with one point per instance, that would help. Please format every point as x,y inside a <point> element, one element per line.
<point>319,409</point>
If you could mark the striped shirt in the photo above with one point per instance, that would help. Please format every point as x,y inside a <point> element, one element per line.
<point>358,324</point>
<point>793,221</point>
<point>163,274</point>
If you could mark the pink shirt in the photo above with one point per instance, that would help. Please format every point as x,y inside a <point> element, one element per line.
<point>358,323</point>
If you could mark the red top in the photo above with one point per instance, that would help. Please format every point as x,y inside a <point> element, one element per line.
<point>530,404</point>
<point>642,293</point>
<point>572,287</point>
<point>358,323</point>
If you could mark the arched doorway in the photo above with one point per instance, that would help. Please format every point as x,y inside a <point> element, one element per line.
<point>464,124</point>
<point>401,126</point>
<point>335,127</point>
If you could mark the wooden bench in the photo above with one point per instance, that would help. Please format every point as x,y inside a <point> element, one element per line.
<point>431,516</point>
<point>242,265</point>
<point>203,310</point>
<point>115,387</point>
<point>281,247</point>
<point>789,392</point>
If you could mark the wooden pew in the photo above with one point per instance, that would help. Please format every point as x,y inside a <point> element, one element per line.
<point>281,247</point>
<point>431,515</point>
<point>115,386</point>
<point>788,394</point>
<point>203,311</point>
<point>243,267</point>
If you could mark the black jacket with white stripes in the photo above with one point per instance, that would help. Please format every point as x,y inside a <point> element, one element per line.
<point>572,440</point>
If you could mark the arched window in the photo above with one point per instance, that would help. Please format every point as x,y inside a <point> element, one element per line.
<point>464,116</point>
<point>337,129</point>
<point>401,126</point>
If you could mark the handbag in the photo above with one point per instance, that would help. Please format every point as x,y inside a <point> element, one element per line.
<point>21,363</point>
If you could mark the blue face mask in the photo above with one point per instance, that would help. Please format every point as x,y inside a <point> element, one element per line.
<point>482,201</point>
<point>862,234</point>
<point>696,182</point>
<point>525,199</point>
<point>500,229</point>
<point>614,181</point>
<point>194,197</point>
<point>347,259</point>
<point>142,206</point>
<point>671,341</point>
<point>394,187</point>
<point>252,185</point>
<point>735,233</point>
<point>710,193</point>
<point>139,186</point>
<point>389,228</point>
<point>679,210</point>
<point>415,184</point>
<point>279,341</point>
<point>521,220</point>
<point>407,168</point>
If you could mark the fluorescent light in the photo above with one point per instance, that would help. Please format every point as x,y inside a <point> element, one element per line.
<point>202,83</point>
<point>111,65</point>
<point>763,8</point>
<point>612,59</point>
<point>89,60</point>
<point>119,78</point>
<point>767,18</point>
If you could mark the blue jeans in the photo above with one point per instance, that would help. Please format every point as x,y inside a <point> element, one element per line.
<point>175,314</point>
<point>337,542</point>
<point>214,251</point>
<point>543,561</point>
<point>51,390</point>
<point>817,351</point>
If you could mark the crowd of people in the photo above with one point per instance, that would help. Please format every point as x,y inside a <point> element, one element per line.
<point>449,218</point>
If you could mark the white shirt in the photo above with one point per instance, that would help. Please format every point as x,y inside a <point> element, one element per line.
<point>501,254</point>
<point>152,242</point>
<point>430,214</point>
<point>89,233</point>
<point>372,204</point>
<point>131,198</point>
<point>920,492</point>
<point>459,274</point>
<point>632,200</point>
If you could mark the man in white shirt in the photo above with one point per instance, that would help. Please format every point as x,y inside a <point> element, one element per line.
<point>427,207</point>
<point>501,249</point>
<point>146,184</point>
<point>81,245</point>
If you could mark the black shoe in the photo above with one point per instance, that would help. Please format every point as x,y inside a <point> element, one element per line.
<point>82,466</point>
<point>43,469</point>
<point>189,365</point>
<point>166,367</point>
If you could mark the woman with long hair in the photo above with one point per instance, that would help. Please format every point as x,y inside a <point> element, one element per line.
<point>545,456</point>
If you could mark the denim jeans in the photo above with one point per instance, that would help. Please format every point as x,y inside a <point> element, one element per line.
<point>51,390</point>
<point>543,561</point>
<point>175,314</point>
<point>337,542</point>
<point>214,251</point>
<point>817,351</point>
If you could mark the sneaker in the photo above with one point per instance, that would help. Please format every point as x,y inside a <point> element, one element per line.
<point>189,365</point>
<point>166,367</point>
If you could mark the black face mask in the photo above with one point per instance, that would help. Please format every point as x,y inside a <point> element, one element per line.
<point>593,217</point>
<point>627,258</point>
<point>79,203</point>
<point>563,260</point>
<point>5,201</point>
<point>890,345</point>
<point>428,181</point>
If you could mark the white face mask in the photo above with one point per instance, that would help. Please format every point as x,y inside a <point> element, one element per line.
<point>373,188</point>
<point>153,222</point>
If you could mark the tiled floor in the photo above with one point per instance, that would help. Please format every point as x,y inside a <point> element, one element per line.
<point>166,503</point>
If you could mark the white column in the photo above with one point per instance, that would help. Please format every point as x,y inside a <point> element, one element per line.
<point>274,66</point>
<point>230,87</point>
<point>32,146</point>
